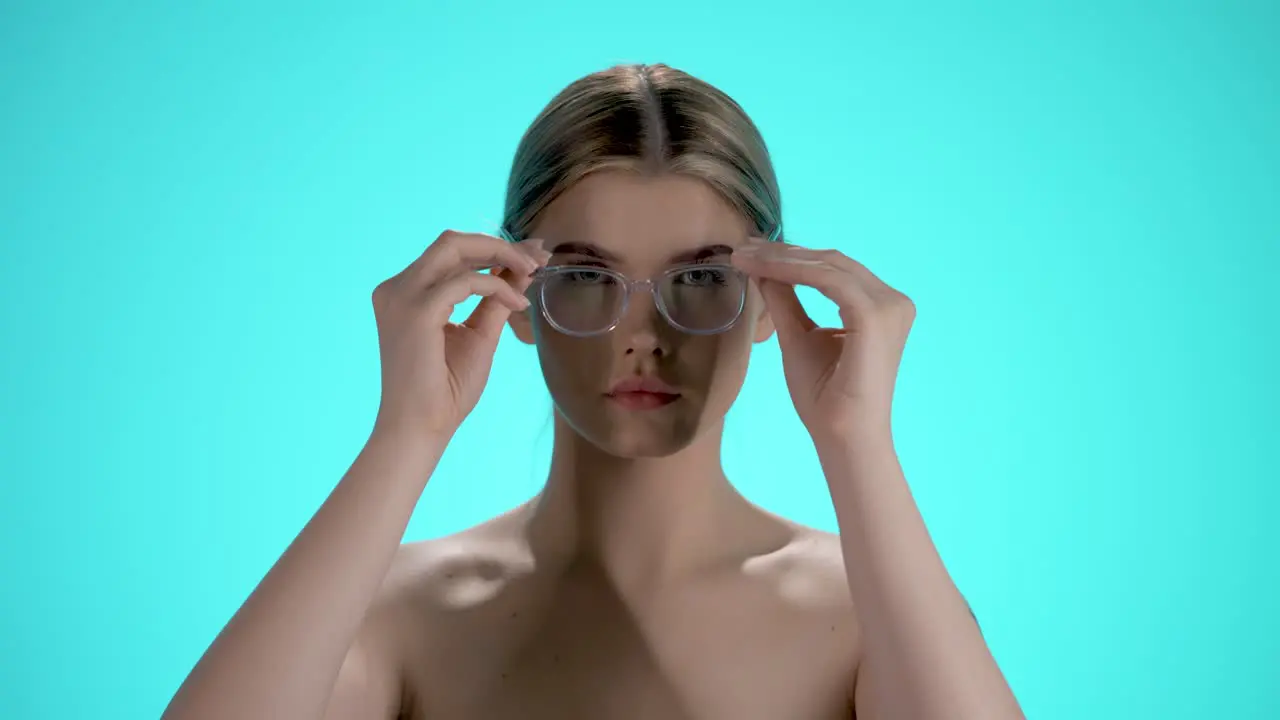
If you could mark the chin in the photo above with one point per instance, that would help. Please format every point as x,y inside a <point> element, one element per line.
<point>635,435</point>
<point>640,448</point>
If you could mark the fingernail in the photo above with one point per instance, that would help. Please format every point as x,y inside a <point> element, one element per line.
<point>534,248</point>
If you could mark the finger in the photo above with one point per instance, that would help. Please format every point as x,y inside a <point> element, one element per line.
<point>839,286</point>
<point>871,283</point>
<point>535,247</point>
<point>492,313</point>
<point>788,315</point>
<point>455,251</point>
<point>446,294</point>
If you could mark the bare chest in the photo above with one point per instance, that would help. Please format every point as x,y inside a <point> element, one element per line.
<point>594,660</point>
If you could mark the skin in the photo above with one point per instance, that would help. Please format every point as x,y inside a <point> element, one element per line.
<point>639,583</point>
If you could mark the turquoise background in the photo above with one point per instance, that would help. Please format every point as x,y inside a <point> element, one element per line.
<point>1083,198</point>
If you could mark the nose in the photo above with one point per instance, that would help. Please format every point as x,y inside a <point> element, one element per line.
<point>641,328</point>
<point>645,343</point>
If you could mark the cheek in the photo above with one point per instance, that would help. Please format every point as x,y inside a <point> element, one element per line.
<point>571,364</point>
<point>735,355</point>
<point>719,364</point>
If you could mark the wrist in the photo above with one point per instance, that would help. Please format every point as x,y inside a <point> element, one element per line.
<point>402,428</point>
<point>856,437</point>
<point>410,444</point>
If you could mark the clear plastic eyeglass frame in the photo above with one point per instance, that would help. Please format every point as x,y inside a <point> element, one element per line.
<point>630,288</point>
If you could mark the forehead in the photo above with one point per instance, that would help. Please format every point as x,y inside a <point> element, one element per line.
<point>641,217</point>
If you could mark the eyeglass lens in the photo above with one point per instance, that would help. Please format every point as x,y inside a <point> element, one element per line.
<point>587,300</point>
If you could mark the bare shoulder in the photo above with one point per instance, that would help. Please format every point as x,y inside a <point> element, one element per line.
<point>807,569</point>
<point>435,593</point>
<point>457,572</point>
<point>799,601</point>
<point>811,568</point>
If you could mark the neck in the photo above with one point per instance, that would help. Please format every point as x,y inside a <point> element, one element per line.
<point>639,522</point>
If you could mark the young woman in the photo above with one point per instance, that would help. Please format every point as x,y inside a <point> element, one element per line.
<point>643,258</point>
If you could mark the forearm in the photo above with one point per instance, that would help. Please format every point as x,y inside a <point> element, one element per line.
<point>280,654</point>
<point>924,656</point>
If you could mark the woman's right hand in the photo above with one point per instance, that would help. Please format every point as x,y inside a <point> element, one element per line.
<point>433,371</point>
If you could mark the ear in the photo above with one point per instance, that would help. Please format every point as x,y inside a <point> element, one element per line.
<point>764,322</point>
<point>522,324</point>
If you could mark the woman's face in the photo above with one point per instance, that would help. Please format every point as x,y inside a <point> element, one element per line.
<point>639,227</point>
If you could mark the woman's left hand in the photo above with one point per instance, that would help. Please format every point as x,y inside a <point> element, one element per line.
<point>841,379</point>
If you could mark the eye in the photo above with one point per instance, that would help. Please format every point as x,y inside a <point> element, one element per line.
<point>579,275</point>
<point>701,277</point>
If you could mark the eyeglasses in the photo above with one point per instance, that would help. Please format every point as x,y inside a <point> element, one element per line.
<point>584,300</point>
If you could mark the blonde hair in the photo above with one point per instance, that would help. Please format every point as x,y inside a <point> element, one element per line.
<point>650,119</point>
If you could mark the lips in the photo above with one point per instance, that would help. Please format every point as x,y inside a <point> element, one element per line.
<point>643,384</point>
<point>643,393</point>
<point>643,400</point>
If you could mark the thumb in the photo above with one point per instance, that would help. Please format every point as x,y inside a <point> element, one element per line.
<point>788,315</point>
<point>491,313</point>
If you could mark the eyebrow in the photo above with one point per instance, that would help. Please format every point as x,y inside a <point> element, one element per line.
<point>589,250</point>
<point>573,248</point>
